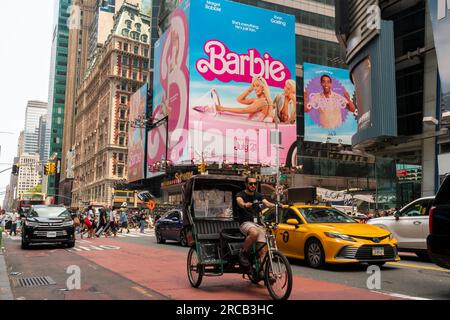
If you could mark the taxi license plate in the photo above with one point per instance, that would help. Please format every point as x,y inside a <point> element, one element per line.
<point>378,251</point>
<point>51,234</point>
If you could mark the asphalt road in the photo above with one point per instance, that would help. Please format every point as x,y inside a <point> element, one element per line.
<point>134,266</point>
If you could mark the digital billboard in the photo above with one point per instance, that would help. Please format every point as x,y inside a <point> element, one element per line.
<point>440,18</point>
<point>137,136</point>
<point>330,107</point>
<point>226,80</point>
<point>170,94</point>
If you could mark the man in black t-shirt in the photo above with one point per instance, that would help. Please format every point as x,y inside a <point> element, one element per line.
<point>248,218</point>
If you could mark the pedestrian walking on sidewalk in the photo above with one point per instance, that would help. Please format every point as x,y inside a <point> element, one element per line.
<point>14,218</point>
<point>2,227</point>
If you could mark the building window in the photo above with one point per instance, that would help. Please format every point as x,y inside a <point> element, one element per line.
<point>138,27</point>
<point>122,127</point>
<point>120,156</point>
<point>134,75</point>
<point>125,47</point>
<point>122,114</point>
<point>145,65</point>
<point>145,52</point>
<point>135,63</point>
<point>123,99</point>
<point>128,23</point>
<point>121,141</point>
<point>120,171</point>
<point>124,73</point>
<point>144,38</point>
<point>124,60</point>
<point>125,32</point>
<point>136,50</point>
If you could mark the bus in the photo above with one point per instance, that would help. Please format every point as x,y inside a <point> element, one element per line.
<point>27,199</point>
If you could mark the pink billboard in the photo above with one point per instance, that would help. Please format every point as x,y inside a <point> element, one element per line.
<point>227,90</point>
<point>136,136</point>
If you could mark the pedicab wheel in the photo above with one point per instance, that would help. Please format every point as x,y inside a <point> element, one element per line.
<point>194,270</point>
<point>254,278</point>
<point>279,280</point>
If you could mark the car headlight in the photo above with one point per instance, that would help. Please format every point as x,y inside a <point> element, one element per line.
<point>29,223</point>
<point>67,223</point>
<point>336,235</point>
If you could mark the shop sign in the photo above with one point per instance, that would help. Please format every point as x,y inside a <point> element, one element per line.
<point>179,178</point>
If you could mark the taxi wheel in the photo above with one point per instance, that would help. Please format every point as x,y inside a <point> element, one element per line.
<point>314,254</point>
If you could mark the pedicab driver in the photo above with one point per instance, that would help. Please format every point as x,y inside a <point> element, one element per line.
<point>248,219</point>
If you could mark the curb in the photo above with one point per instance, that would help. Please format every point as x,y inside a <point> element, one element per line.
<point>5,286</point>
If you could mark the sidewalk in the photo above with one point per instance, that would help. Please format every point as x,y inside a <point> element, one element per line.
<point>5,287</point>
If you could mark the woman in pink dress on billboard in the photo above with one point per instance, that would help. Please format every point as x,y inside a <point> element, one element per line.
<point>259,108</point>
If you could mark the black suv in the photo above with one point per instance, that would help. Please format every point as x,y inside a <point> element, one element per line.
<point>48,224</point>
<point>438,241</point>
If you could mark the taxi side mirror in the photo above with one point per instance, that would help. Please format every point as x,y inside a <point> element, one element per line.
<point>293,222</point>
<point>397,215</point>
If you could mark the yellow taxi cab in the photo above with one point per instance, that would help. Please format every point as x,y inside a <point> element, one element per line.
<point>322,234</point>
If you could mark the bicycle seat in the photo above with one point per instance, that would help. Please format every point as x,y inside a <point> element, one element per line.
<point>232,235</point>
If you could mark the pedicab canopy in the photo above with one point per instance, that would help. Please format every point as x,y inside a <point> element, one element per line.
<point>211,197</point>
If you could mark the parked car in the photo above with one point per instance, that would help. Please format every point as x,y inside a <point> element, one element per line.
<point>170,227</point>
<point>48,224</point>
<point>409,226</point>
<point>438,241</point>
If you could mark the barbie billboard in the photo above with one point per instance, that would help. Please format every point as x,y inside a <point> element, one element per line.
<point>136,136</point>
<point>240,83</point>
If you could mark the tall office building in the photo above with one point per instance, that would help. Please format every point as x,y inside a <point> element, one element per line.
<point>29,173</point>
<point>402,61</point>
<point>33,113</point>
<point>119,69</point>
<point>82,15</point>
<point>103,22</point>
<point>42,139</point>
<point>57,89</point>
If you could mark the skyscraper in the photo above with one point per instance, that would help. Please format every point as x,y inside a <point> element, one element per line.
<point>57,88</point>
<point>34,111</point>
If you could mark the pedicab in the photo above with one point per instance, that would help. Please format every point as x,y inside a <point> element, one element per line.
<point>215,239</point>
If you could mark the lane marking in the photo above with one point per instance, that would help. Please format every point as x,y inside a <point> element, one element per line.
<point>143,292</point>
<point>399,295</point>
<point>416,266</point>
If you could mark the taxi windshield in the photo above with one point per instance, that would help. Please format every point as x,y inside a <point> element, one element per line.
<point>325,215</point>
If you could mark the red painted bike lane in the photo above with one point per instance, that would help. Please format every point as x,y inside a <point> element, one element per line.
<point>164,271</point>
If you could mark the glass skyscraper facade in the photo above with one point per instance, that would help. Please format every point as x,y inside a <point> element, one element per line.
<point>33,112</point>
<point>57,87</point>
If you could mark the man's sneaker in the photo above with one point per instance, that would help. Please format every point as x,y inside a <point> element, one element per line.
<point>243,259</point>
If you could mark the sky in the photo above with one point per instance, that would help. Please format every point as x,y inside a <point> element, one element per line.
<point>26,34</point>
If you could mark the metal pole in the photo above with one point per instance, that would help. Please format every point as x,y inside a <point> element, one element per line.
<point>167,140</point>
<point>277,187</point>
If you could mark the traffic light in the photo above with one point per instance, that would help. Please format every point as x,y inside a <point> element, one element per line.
<point>48,169</point>
<point>52,168</point>
<point>202,167</point>
<point>15,169</point>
